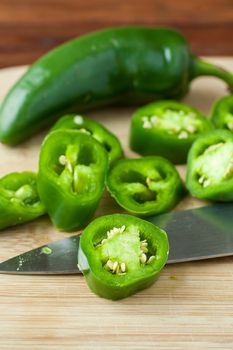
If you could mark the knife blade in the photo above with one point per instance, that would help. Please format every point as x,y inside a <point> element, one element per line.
<point>193,234</point>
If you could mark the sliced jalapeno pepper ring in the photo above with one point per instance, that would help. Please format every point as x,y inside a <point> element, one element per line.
<point>210,166</point>
<point>145,186</point>
<point>120,255</point>
<point>166,128</point>
<point>71,177</point>
<point>19,199</point>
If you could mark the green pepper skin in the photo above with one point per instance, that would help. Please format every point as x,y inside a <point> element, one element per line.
<point>173,144</point>
<point>103,282</point>
<point>72,171</point>
<point>19,199</point>
<point>125,64</point>
<point>145,186</point>
<point>96,130</point>
<point>211,180</point>
<point>222,113</point>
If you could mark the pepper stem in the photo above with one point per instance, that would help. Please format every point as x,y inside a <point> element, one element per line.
<point>201,67</point>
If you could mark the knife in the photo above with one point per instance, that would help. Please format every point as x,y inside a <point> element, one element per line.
<point>193,234</point>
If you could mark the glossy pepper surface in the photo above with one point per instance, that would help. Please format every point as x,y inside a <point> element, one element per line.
<point>96,130</point>
<point>126,64</point>
<point>145,186</point>
<point>71,177</point>
<point>19,199</point>
<point>120,255</point>
<point>167,129</point>
<point>210,166</point>
<point>222,113</point>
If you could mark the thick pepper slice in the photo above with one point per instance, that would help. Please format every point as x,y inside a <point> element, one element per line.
<point>167,129</point>
<point>222,113</point>
<point>120,255</point>
<point>210,166</point>
<point>71,177</point>
<point>96,130</point>
<point>125,64</point>
<point>145,186</point>
<point>19,199</point>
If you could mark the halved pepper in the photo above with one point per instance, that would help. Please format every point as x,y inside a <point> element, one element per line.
<point>72,169</point>
<point>145,186</point>
<point>95,129</point>
<point>210,166</point>
<point>121,254</point>
<point>19,199</point>
<point>222,113</point>
<point>167,129</point>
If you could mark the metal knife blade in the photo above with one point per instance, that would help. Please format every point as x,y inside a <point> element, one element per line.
<point>194,234</point>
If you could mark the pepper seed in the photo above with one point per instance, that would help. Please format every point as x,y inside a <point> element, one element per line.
<point>183,135</point>
<point>123,267</point>
<point>115,265</point>
<point>151,258</point>
<point>143,258</point>
<point>62,159</point>
<point>78,119</point>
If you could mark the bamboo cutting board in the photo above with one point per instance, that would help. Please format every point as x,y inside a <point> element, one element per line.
<point>189,307</point>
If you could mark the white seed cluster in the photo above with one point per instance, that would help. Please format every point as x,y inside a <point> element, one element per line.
<point>143,251</point>
<point>116,267</point>
<point>182,132</point>
<point>115,230</point>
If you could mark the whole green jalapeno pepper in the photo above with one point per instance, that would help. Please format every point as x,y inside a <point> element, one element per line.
<point>167,129</point>
<point>145,186</point>
<point>96,130</point>
<point>120,255</point>
<point>222,113</point>
<point>210,166</point>
<point>19,199</point>
<point>72,169</point>
<point>126,64</point>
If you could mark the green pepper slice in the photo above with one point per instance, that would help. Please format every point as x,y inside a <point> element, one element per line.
<point>210,166</point>
<point>96,130</point>
<point>222,113</point>
<point>167,129</point>
<point>145,186</point>
<point>19,199</point>
<point>120,255</point>
<point>72,169</point>
<point>111,66</point>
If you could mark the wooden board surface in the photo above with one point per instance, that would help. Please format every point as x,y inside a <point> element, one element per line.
<point>189,307</point>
